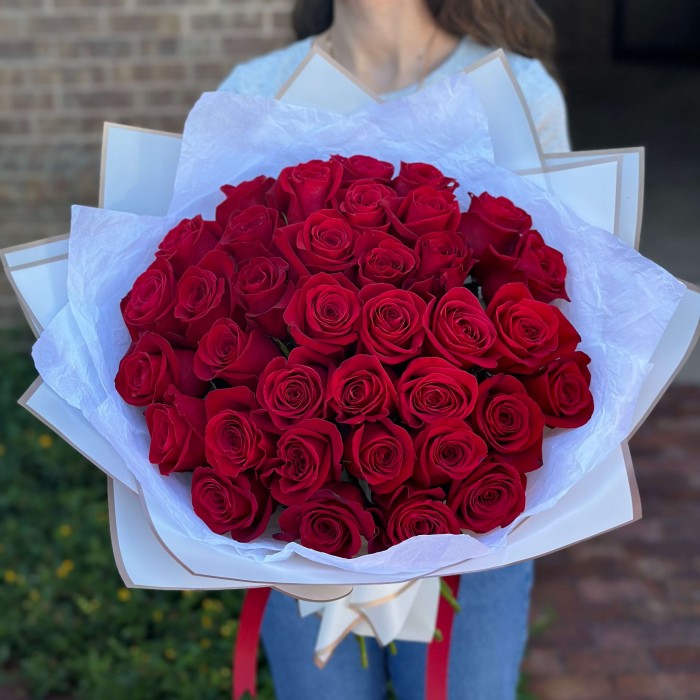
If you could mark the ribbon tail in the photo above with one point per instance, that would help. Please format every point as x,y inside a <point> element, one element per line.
<point>245,653</point>
<point>438,657</point>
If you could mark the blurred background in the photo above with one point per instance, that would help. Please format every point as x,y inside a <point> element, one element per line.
<point>618,617</point>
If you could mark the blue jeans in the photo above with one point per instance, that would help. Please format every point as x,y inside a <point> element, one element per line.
<point>488,643</point>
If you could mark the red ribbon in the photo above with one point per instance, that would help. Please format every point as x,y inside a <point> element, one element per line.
<point>438,657</point>
<point>245,652</point>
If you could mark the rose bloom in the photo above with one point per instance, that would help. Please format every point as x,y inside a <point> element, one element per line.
<point>239,506</point>
<point>177,432</point>
<point>530,333</point>
<point>364,168</point>
<point>308,456</point>
<point>332,520</point>
<point>510,421</point>
<point>248,233</point>
<point>383,258</point>
<point>444,256</point>
<point>188,242</point>
<point>423,211</point>
<point>414,175</point>
<point>360,389</point>
<point>431,389</point>
<point>492,496</point>
<point>363,204</point>
<point>242,196</point>
<point>562,391</point>
<point>382,454</point>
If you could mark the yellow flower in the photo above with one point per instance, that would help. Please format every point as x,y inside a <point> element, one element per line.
<point>10,576</point>
<point>211,605</point>
<point>206,622</point>
<point>65,530</point>
<point>224,671</point>
<point>227,629</point>
<point>170,654</point>
<point>65,568</point>
<point>157,615</point>
<point>3,450</point>
<point>205,643</point>
<point>124,595</point>
<point>34,595</point>
<point>45,441</point>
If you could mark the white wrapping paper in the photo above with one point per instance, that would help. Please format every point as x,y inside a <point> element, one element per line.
<point>621,305</point>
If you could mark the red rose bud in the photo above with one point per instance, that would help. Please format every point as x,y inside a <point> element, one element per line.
<point>363,204</point>
<point>562,391</point>
<point>412,512</point>
<point>361,390</point>
<point>249,233</point>
<point>423,211</point>
<point>177,433</point>
<point>382,454</point>
<point>188,243</point>
<point>150,366</point>
<point>447,451</point>
<point>240,506</point>
<point>240,197</point>
<point>364,168</point>
<point>227,352</point>
<point>323,243</point>
<point>492,496</point>
<point>331,520</point>
<point>384,259</point>
<point>309,456</point>
<point>414,175</point>
<point>530,333</point>
<point>149,304</point>
<point>324,313</point>
<point>493,222</point>
<point>233,441</point>
<point>461,332</point>
<point>431,389</point>
<point>510,422</point>
<point>393,323</point>
<point>204,294</point>
<point>293,389</point>
<point>262,287</point>
<point>303,189</point>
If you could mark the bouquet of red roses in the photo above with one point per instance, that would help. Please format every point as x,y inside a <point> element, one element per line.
<point>348,346</point>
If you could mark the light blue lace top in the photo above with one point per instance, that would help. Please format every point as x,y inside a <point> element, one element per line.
<point>265,76</point>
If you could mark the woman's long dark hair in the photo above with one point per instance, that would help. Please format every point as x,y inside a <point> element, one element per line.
<point>517,25</point>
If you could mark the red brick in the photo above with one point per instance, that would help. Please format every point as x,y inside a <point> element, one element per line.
<point>674,686</point>
<point>572,687</point>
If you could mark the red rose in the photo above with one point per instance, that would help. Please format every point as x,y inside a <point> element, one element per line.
<point>240,197</point>
<point>188,243</point>
<point>233,441</point>
<point>249,233</point>
<point>292,389</point>
<point>412,512</point>
<point>227,352</point>
<point>422,211</point>
<point>364,204</point>
<point>240,505</point>
<point>324,313</point>
<point>150,366</point>
<point>562,391</point>
<point>360,389</point>
<point>309,456</point>
<point>263,289</point>
<point>393,323</point>
<point>323,243</point>
<point>447,451</point>
<point>382,454</point>
<point>493,222</point>
<point>444,256</point>
<point>431,389</point>
<point>530,333</point>
<point>383,258</point>
<point>303,189</point>
<point>510,421</point>
<point>204,294</point>
<point>332,521</point>
<point>364,168</point>
<point>461,332</point>
<point>492,496</point>
<point>414,175</point>
<point>177,433</point>
<point>149,304</point>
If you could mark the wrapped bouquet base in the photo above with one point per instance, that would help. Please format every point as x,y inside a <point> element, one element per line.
<point>637,324</point>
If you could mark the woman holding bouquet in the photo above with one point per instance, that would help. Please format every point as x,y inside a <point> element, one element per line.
<point>395,47</point>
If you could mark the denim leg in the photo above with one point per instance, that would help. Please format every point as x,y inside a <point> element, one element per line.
<point>488,639</point>
<point>289,642</point>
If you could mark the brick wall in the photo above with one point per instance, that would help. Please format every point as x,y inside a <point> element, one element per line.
<point>66,66</point>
